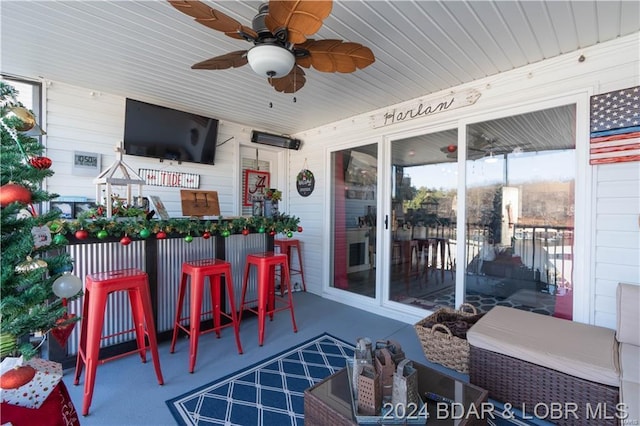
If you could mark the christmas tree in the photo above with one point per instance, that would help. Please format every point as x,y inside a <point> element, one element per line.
<point>35,274</point>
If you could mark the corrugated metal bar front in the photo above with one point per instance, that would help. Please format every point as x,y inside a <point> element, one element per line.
<point>237,247</point>
<point>170,256</point>
<point>99,257</point>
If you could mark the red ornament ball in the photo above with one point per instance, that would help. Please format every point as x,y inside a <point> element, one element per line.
<point>299,228</point>
<point>272,233</point>
<point>161,235</point>
<point>452,148</point>
<point>206,235</point>
<point>12,192</point>
<point>16,377</point>
<point>82,234</point>
<point>125,241</point>
<point>40,163</point>
<point>245,231</point>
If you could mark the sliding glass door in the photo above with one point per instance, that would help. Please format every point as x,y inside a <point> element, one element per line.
<point>480,213</point>
<point>422,245</point>
<point>520,204</point>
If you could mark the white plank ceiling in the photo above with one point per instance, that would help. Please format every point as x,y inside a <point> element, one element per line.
<point>144,50</point>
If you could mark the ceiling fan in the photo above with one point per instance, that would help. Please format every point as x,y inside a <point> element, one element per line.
<point>280,45</point>
<point>452,152</point>
<point>480,146</point>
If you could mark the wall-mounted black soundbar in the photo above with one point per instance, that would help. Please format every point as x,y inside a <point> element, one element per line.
<point>275,140</point>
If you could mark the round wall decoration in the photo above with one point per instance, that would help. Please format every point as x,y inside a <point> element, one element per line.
<point>305,182</point>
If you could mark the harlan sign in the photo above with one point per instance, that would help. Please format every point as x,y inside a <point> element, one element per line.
<point>426,108</point>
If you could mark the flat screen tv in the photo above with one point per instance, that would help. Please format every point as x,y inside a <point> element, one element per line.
<point>168,134</point>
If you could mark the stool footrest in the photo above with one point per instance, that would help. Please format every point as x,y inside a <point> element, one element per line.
<point>270,312</point>
<point>120,333</point>
<point>185,328</point>
<point>122,355</point>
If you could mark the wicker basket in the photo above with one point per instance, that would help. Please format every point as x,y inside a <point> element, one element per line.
<point>440,345</point>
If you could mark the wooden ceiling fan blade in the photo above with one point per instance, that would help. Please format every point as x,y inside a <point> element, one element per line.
<point>301,18</point>
<point>213,18</point>
<point>291,82</point>
<point>481,141</point>
<point>336,56</point>
<point>229,60</point>
<point>471,148</point>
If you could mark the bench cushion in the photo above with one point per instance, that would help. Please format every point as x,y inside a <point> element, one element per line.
<point>630,395</point>
<point>628,314</point>
<point>630,362</point>
<point>581,350</point>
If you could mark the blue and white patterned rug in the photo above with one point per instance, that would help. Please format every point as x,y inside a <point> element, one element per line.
<point>271,392</point>
<point>267,393</point>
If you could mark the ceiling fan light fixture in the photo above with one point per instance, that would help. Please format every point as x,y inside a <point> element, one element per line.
<point>490,158</point>
<point>270,61</point>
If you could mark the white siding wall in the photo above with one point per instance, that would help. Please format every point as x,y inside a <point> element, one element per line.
<point>607,67</point>
<point>84,120</point>
<point>617,240</point>
<point>79,119</point>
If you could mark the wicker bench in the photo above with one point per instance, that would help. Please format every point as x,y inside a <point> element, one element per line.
<point>562,371</point>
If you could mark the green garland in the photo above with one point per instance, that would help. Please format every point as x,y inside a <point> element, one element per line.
<point>135,224</point>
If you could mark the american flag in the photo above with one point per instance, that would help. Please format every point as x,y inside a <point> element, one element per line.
<point>615,126</point>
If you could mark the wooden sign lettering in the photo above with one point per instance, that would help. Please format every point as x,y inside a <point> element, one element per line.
<point>426,108</point>
<point>169,178</point>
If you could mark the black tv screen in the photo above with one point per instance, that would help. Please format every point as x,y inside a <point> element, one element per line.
<point>159,132</point>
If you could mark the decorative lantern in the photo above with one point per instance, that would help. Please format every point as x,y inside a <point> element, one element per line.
<point>119,174</point>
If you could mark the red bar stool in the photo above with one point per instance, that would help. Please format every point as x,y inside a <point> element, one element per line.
<point>408,248</point>
<point>97,289</point>
<point>198,270</point>
<point>265,264</point>
<point>285,246</point>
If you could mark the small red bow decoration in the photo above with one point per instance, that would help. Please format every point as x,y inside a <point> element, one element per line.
<point>63,330</point>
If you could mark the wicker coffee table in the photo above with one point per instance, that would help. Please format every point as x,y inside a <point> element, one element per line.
<point>329,402</point>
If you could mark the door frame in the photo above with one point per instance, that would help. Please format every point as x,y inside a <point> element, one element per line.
<point>385,237</point>
<point>277,170</point>
<point>583,233</point>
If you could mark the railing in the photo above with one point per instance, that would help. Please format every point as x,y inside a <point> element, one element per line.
<point>544,250</point>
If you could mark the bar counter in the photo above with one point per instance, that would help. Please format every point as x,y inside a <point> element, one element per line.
<point>162,261</point>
